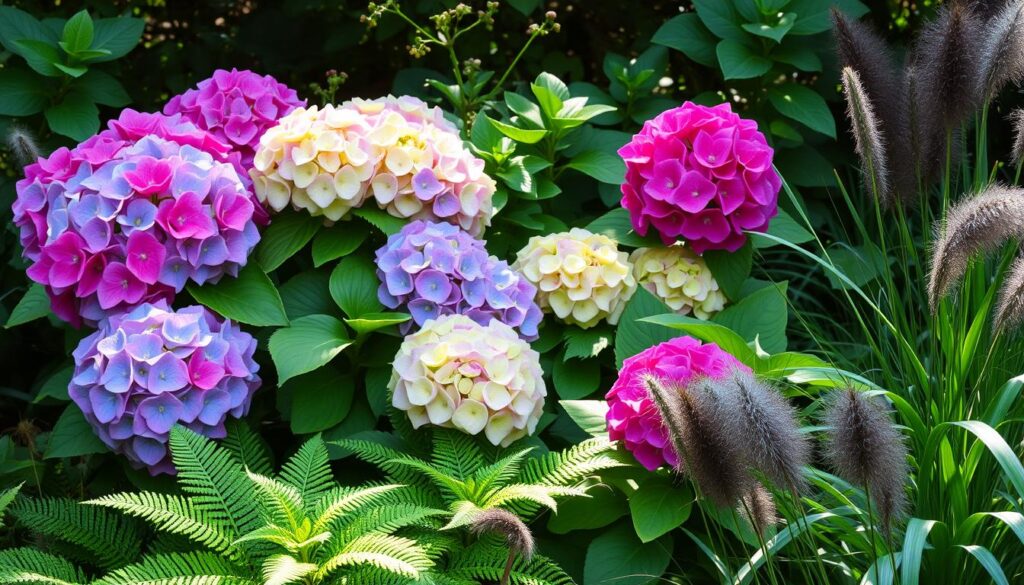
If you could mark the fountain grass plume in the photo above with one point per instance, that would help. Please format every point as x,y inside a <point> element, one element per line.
<point>867,134</point>
<point>1010,307</point>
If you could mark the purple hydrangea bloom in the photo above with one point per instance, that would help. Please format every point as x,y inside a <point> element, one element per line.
<point>434,269</point>
<point>151,368</point>
<point>123,220</point>
<point>236,107</point>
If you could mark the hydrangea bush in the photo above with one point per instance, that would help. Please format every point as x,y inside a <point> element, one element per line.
<point>680,278</point>
<point>146,370</point>
<point>435,269</point>
<point>701,174</point>
<point>454,372</point>
<point>397,152</point>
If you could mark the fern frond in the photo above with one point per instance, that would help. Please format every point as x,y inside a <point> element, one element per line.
<point>463,513</point>
<point>282,537</point>
<point>342,500</point>
<point>446,483</point>
<point>173,514</point>
<point>6,497</point>
<point>383,457</point>
<point>486,563</point>
<point>26,565</point>
<point>284,569</point>
<point>394,554</point>
<point>247,447</point>
<point>281,502</point>
<point>193,568</point>
<point>216,481</point>
<point>456,454</point>
<point>543,495</point>
<point>571,466</point>
<point>436,543</point>
<point>501,471</point>
<point>309,471</point>
<point>383,520</point>
<point>110,539</point>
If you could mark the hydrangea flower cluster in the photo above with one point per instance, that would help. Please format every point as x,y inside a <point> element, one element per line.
<point>702,174</point>
<point>632,415</point>
<point>680,278</point>
<point>115,223</point>
<point>581,277</point>
<point>236,107</point>
<point>457,373</point>
<point>398,152</point>
<point>434,269</point>
<point>146,370</point>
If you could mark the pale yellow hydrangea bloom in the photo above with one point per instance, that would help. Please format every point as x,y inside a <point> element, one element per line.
<point>680,278</point>
<point>454,372</point>
<point>581,277</point>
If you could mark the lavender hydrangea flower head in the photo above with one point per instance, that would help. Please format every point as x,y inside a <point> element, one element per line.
<point>702,174</point>
<point>146,370</point>
<point>236,107</point>
<point>457,373</point>
<point>434,269</point>
<point>119,222</point>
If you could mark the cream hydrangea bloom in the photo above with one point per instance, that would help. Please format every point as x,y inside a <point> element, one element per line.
<point>580,276</point>
<point>454,372</point>
<point>680,278</point>
<point>396,151</point>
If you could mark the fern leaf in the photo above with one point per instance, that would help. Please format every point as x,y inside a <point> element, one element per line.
<point>456,454</point>
<point>6,497</point>
<point>394,554</point>
<point>383,457</point>
<point>502,471</point>
<point>342,500</point>
<point>173,514</point>
<point>571,466</point>
<point>309,471</point>
<point>486,563</point>
<point>463,513</point>
<point>274,534</point>
<point>283,569</point>
<point>281,502</point>
<point>110,539</point>
<point>216,481</point>
<point>25,565</point>
<point>445,482</point>
<point>543,495</point>
<point>193,568</point>
<point>247,447</point>
<point>383,520</point>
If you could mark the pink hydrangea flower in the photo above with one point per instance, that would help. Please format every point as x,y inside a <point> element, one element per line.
<point>632,416</point>
<point>236,107</point>
<point>700,174</point>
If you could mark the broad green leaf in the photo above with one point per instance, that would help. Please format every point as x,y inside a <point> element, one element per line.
<point>72,70</point>
<point>379,219</point>
<point>117,35</point>
<point>731,269</point>
<point>78,32</point>
<point>658,506</point>
<point>601,165</point>
<point>76,117</point>
<point>762,315</point>
<point>618,557</point>
<point>16,25</point>
<point>722,336</point>
<point>524,108</point>
<point>803,104</point>
<point>738,61</point>
<point>589,415</point>
<point>775,31</point>
<point>616,225</point>
<point>813,15</point>
<point>41,56</point>
<point>370,322</point>
<point>720,18</point>
<point>686,34</point>
<point>308,293</point>
<point>784,226</point>
<point>251,298</point>
<point>308,343</point>
<point>21,93</point>
<point>799,56</point>
<point>804,166</point>
<point>550,93</point>
<point>72,436</point>
<point>861,264</point>
<point>635,333</point>
<point>576,378</point>
<point>319,400</point>
<point>102,88</point>
<point>33,305</point>
<point>336,241</point>
<point>485,135</point>
<point>523,135</point>
<point>603,506</point>
<point>288,233</point>
<point>56,386</point>
<point>354,286</point>
<point>587,343</point>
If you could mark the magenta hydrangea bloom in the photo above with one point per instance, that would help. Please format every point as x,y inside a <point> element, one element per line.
<point>117,222</point>
<point>236,107</point>
<point>145,371</point>
<point>700,174</point>
<point>434,269</point>
<point>632,415</point>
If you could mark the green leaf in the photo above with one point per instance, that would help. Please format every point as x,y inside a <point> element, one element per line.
<point>21,93</point>
<point>618,557</point>
<point>41,56</point>
<point>803,104</point>
<point>251,298</point>
<point>308,343</point>
<point>784,226</point>
<point>370,322</point>
<point>803,58</point>
<point>722,336</point>
<point>381,220</point>
<point>524,108</point>
<point>634,333</point>
<point>308,293</point>
<point>319,400</point>
<point>525,7</point>
<point>587,343</point>
<point>576,378</point>
<point>354,286</point>
<point>523,135</point>
<point>72,70</point>
<point>117,35</point>
<point>589,415</point>
<point>102,88</point>
<point>78,32</point>
<point>658,506</point>
<point>32,306</point>
<point>762,315</point>
<point>550,92</point>
<point>56,386</point>
<point>686,34</point>
<point>814,14</point>
<point>76,117</point>
<point>603,506</point>
<point>72,436</point>
<point>288,233</point>
<point>861,264</point>
<point>720,18</point>
<point>616,225</point>
<point>738,61</point>
<point>774,32</point>
<point>336,241</point>
<point>485,135</point>
<point>804,166</point>
<point>601,165</point>
<point>731,269</point>
<point>16,25</point>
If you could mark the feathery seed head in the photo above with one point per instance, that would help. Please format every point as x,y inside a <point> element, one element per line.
<point>867,134</point>
<point>517,534</point>
<point>1002,48</point>
<point>1010,309</point>
<point>1016,118</point>
<point>758,507</point>
<point>21,143</point>
<point>948,52</point>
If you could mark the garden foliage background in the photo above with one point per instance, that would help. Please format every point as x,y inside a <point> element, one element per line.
<point>793,317</point>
